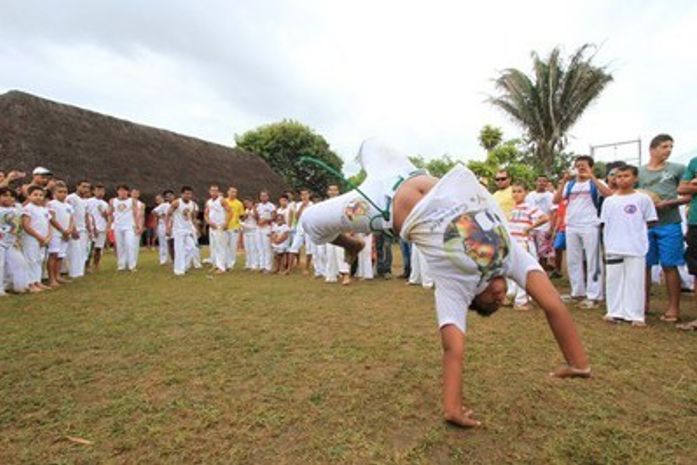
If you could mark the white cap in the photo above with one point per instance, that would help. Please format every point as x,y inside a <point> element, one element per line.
<point>40,170</point>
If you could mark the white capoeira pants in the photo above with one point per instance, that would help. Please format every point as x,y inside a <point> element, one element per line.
<point>78,251</point>
<point>336,264</point>
<point>125,252</point>
<point>264,248</point>
<point>217,248</point>
<point>625,281</point>
<point>232,237</point>
<point>15,275</point>
<point>135,245</point>
<point>34,256</point>
<point>365,258</point>
<point>582,242</point>
<point>162,245</point>
<point>319,260</point>
<point>419,269</point>
<point>251,252</point>
<point>184,251</point>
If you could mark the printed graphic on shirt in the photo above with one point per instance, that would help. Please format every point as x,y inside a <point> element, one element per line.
<point>483,238</point>
<point>356,210</point>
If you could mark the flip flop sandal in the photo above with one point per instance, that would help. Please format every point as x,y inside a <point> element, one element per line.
<point>669,319</point>
<point>692,326</point>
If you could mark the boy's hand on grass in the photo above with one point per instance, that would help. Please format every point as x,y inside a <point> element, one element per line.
<point>567,371</point>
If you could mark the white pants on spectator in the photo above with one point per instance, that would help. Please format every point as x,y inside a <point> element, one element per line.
<point>251,249</point>
<point>135,246</point>
<point>16,274</point>
<point>626,282</point>
<point>319,260</point>
<point>233,239</point>
<point>264,248</point>
<point>125,258</point>
<point>162,246</point>
<point>34,256</point>
<point>365,258</point>
<point>217,248</point>
<point>579,243</point>
<point>335,263</point>
<point>184,250</point>
<point>78,250</point>
<point>419,269</point>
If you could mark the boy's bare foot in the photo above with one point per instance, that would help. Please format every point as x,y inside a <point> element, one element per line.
<point>64,280</point>
<point>54,284</point>
<point>33,289</point>
<point>567,371</point>
<point>462,419</point>
<point>346,280</point>
<point>43,287</point>
<point>638,324</point>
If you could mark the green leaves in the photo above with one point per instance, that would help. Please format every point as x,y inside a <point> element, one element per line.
<point>282,144</point>
<point>552,99</point>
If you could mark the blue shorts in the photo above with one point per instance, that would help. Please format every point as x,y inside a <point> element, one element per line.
<point>666,245</point>
<point>560,241</point>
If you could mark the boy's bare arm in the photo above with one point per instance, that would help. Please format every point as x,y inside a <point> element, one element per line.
<point>543,292</point>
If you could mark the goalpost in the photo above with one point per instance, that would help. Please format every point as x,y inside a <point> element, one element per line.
<point>628,151</point>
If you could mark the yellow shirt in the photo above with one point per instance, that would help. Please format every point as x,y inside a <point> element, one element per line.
<point>236,210</point>
<point>505,200</point>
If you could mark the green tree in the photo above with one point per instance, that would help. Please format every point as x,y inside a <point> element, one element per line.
<point>357,178</point>
<point>282,144</point>
<point>509,156</point>
<point>549,102</point>
<point>490,137</point>
<point>436,166</point>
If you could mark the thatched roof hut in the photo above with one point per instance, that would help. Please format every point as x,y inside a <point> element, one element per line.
<point>76,143</point>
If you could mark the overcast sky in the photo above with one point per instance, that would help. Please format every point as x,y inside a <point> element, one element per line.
<point>415,73</point>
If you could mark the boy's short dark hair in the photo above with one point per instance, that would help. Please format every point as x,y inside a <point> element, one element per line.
<point>304,189</point>
<point>659,139</point>
<point>284,196</point>
<point>168,191</point>
<point>59,185</point>
<point>6,191</point>
<point>520,184</point>
<point>99,185</point>
<point>264,191</point>
<point>631,168</point>
<point>82,181</point>
<point>186,189</point>
<point>35,188</point>
<point>217,186</point>
<point>587,158</point>
<point>123,186</point>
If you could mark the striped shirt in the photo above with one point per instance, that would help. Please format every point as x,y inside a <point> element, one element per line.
<point>522,217</point>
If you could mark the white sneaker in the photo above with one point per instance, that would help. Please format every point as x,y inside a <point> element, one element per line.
<point>588,304</point>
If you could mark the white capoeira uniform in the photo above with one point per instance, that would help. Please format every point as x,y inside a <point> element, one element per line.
<point>78,249</point>
<point>265,212</point>
<point>13,266</point>
<point>365,258</point>
<point>217,236</point>
<point>62,213</point>
<point>161,213</point>
<point>626,244</point>
<point>250,240</point>
<point>35,252</point>
<point>419,269</point>
<point>457,226</point>
<point>135,243</point>
<point>124,224</point>
<point>281,247</point>
<point>98,210</point>
<point>299,236</point>
<point>184,237</point>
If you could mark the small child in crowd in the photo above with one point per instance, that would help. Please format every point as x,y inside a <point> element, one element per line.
<point>36,235</point>
<point>62,227</point>
<point>522,221</point>
<point>625,233</point>
<point>280,241</point>
<point>12,263</point>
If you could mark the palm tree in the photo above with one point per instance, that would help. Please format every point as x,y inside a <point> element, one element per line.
<point>550,101</point>
<point>490,137</point>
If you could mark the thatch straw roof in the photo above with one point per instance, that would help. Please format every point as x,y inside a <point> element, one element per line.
<point>76,143</point>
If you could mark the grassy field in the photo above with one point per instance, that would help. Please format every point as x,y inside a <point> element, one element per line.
<point>251,369</point>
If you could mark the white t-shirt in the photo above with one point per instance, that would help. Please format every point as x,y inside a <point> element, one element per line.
<point>581,211</point>
<point>543,201</point>
<point>182,218</point>
<point>40,218</point>
<point>265,211</point>
<point>97,208</point>
<point>62,212</point>
<point>625,218</point>
<point>216,211</point>
<point>249,223</point>
<point>123,214</point>
<point>161,213</point>
<point>280,229</point>
<point>10,218</point>
<point>79,211</point>
<point>286,212</point>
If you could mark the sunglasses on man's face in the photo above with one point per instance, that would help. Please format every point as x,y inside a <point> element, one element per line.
<point>500,179</point>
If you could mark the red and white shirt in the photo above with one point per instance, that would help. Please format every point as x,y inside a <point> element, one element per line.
<point>522,217</point>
